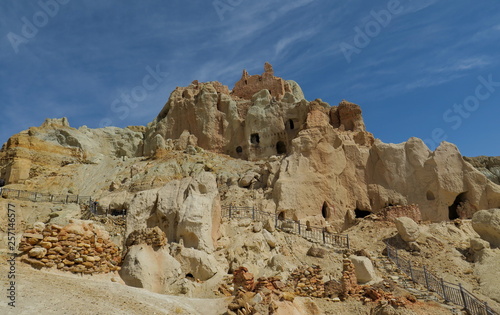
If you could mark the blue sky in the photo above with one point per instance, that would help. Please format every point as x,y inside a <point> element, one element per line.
<point>427,68</point>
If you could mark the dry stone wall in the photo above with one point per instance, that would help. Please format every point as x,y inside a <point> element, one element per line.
<point>79,247</point>
<point>390,213</point>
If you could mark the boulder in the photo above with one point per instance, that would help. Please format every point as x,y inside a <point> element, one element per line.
<point>257,227</point>
<point>270,239</point>
<point>269,225</point>
<point>199,264</point>
<point>39,226</point>
<point>478,249</point>
<point>477,244</point>
<point>280,263</point>
<point>407,229</point>
<point>247,179</point>
<point>316,251</point>
<point>487,224</point>
<point>37,252</point>
<point>363,268</point>
<point>153,270</point>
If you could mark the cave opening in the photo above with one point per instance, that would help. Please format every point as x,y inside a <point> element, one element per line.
<point>239,149</point>
<point>290,124</point>
<point>255,138</point>
<point>281,215</point>
<point>361,213</point>
<point>281,147</point>
<point>452,210</point>
<point>325,211</point>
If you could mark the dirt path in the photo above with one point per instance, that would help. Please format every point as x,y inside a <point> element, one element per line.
<point>43,292</point>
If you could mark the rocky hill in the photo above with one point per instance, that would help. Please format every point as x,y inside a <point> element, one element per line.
<point>488,165</point>
<point>262,146</point>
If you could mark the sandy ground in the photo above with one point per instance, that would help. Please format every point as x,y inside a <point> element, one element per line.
<point>44,292</point>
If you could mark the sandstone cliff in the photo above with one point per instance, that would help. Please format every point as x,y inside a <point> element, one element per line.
<point>311,161</point>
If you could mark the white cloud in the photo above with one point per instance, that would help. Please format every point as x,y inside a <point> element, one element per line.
<point>284,42</point>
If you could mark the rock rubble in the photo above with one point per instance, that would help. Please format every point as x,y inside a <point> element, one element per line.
<point>78,248</point>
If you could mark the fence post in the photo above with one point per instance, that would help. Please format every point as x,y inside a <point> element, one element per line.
<point>298,222</point>
<point>77,199</point>
<point>230,210</point>
<point>462,293</point>
<point>487,308</point>
<point>426,279</point>
<point>51,198</point>
<point>36,195</point>
<point>411,271</point>
<point>324,236</point>
<point>18,193</point>
<point>348,245</point>
<point>444,293</point>
<point>253,213</point>
<point>67,196</point>
<point>396,256</point>
<point>276,221</point>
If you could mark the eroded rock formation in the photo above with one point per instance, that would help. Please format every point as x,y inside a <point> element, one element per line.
<point>329,169</point>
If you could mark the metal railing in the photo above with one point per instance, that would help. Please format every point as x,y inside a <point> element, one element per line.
<point>450,292</point>
<point>42,197</point>
<point>315,233</point>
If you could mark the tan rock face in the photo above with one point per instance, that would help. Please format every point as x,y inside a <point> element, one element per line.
<point>55,144</point>
<point>487,224</point>
<point>187,210</point>
<point>329,168</point>
<point>328,175</point>
<point>488,165</point>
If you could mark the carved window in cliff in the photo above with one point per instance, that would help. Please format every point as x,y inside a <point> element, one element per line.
<point>239,149</point>
<point>291,125</point>
<point>281,147</point>
<point>430,195</point>
<point>254,138</point>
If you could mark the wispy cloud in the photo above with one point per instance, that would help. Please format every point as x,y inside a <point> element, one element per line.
<point>410,6</point>
<point>464,64</point>
<point>292,5</point>
<point>283,43</point>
